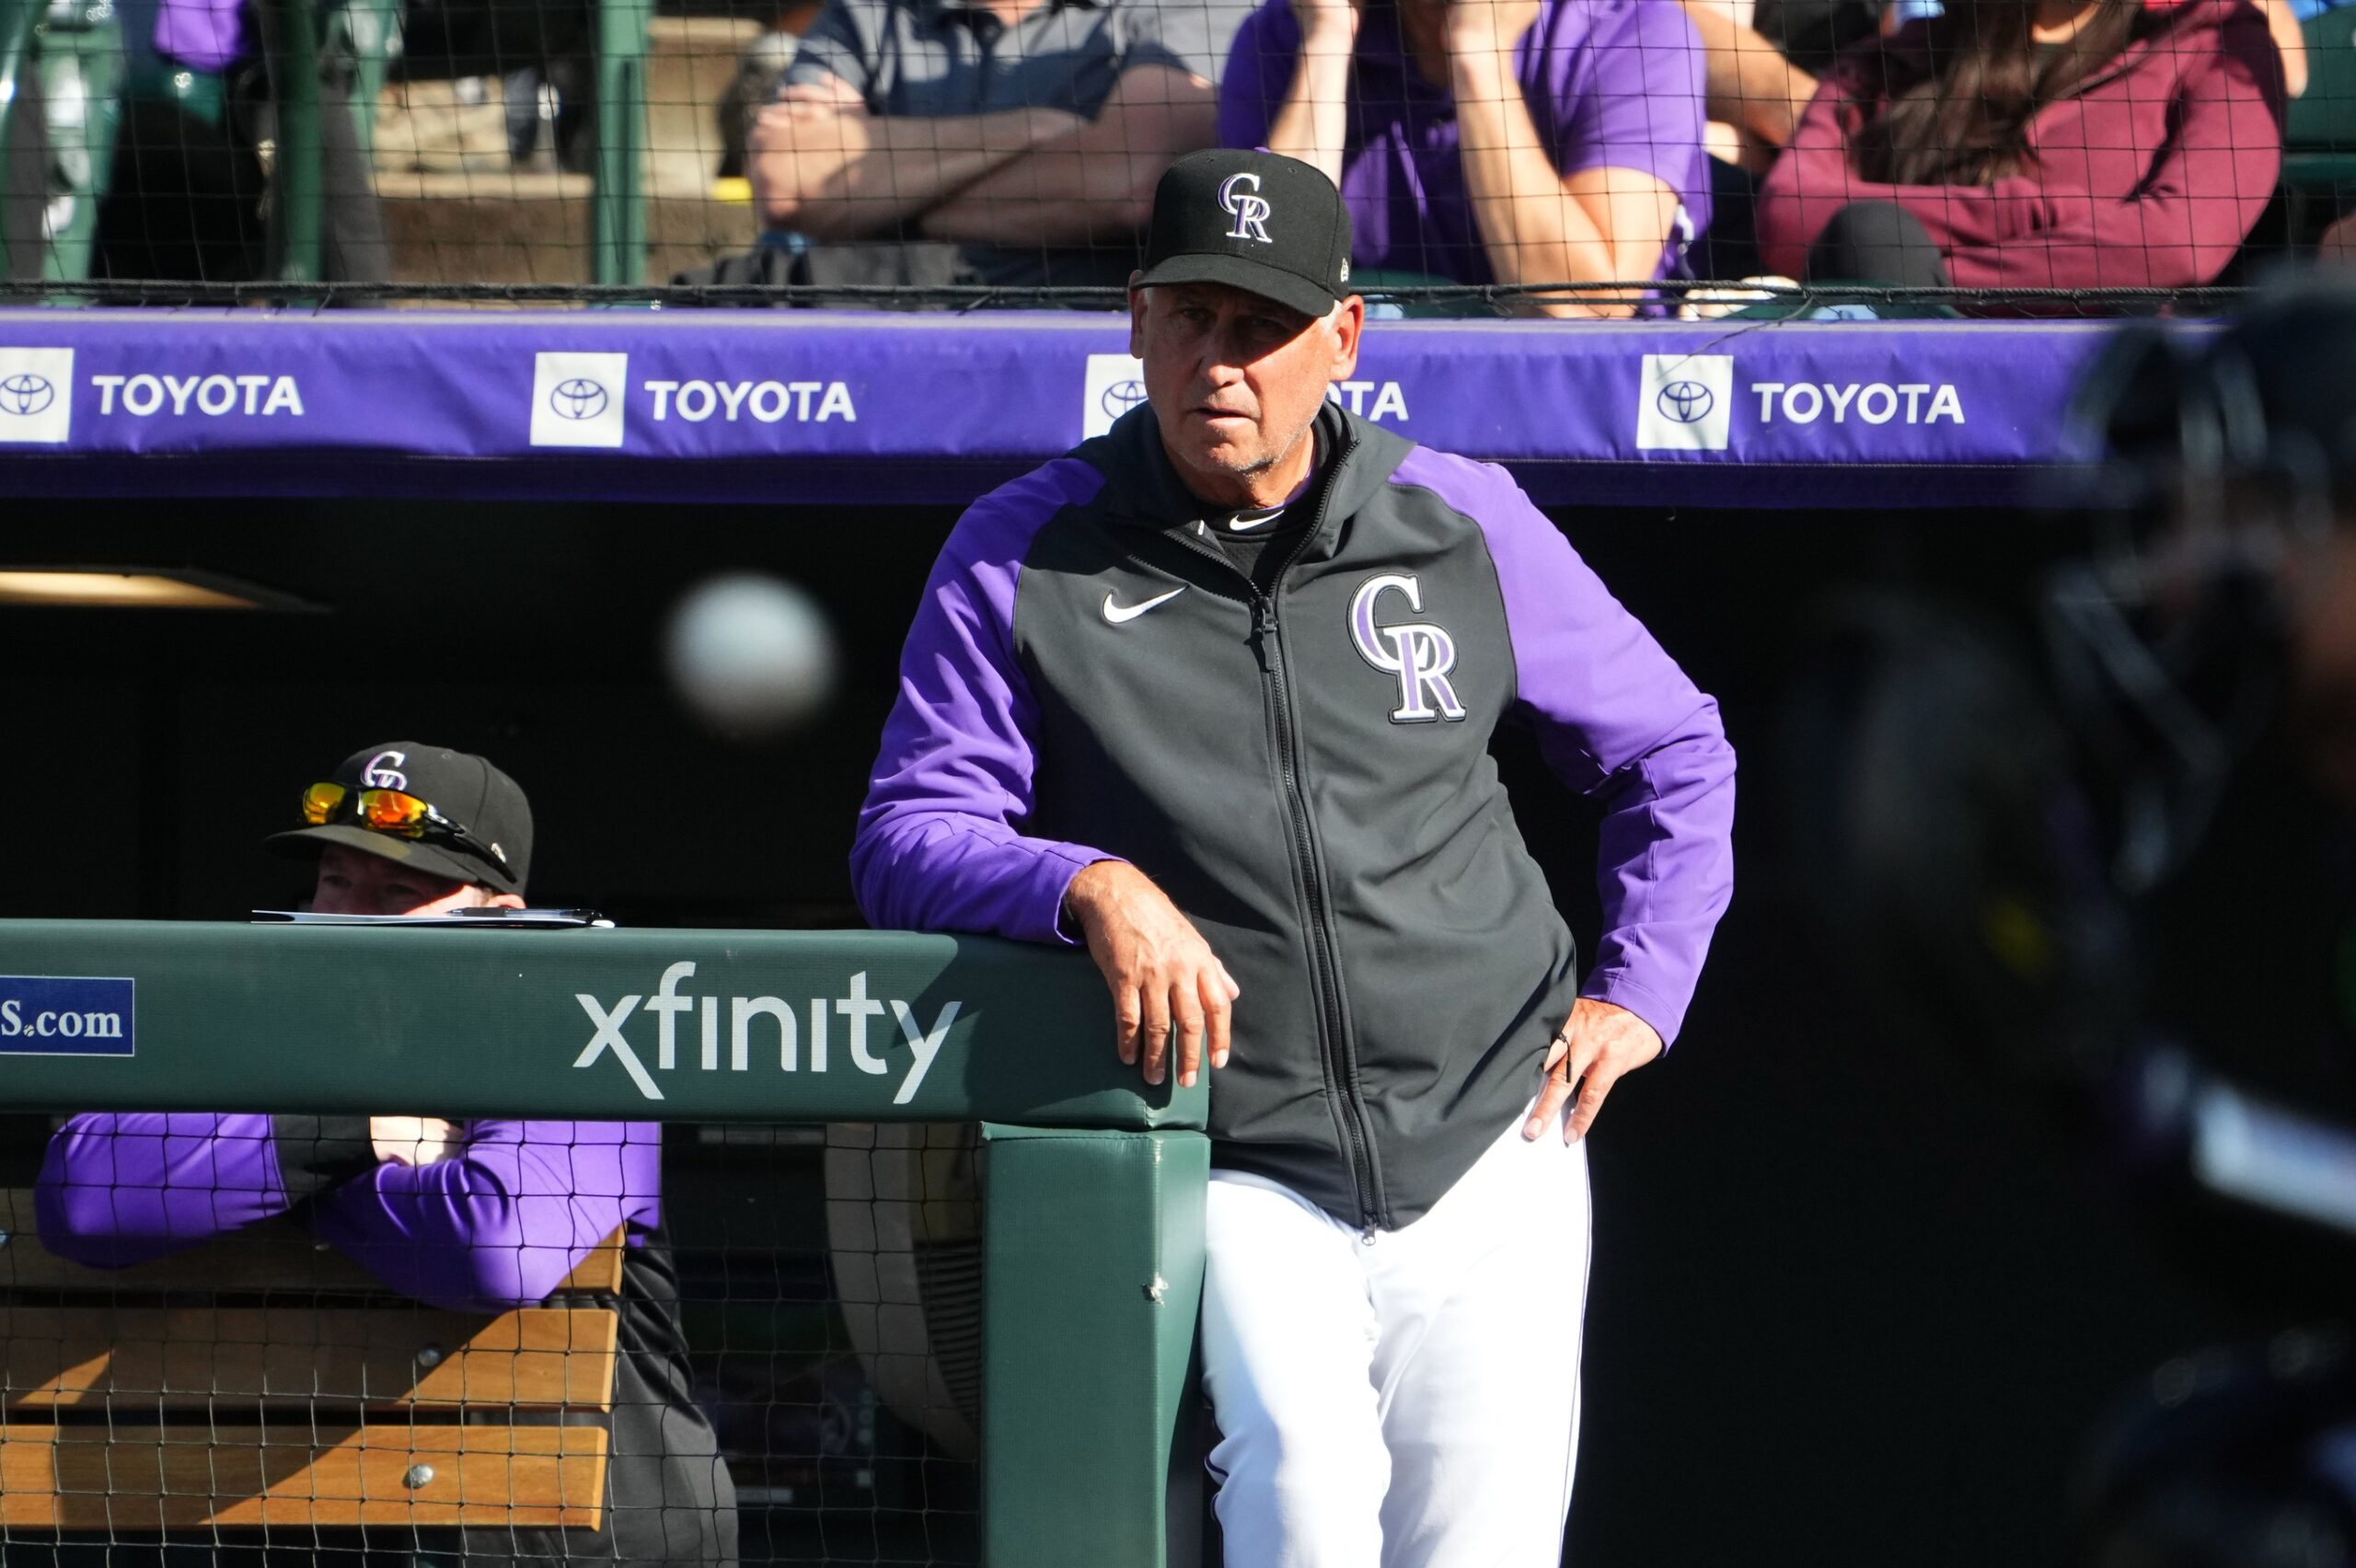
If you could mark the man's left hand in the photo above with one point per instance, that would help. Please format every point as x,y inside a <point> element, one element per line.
<point>1598,1045</point>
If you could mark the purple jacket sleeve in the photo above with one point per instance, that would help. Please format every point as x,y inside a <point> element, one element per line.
<point>497,1226</point>
<point>941,846</point>
<point>500,1224</point>
<point>120,1189</point>
<point>1617,720</point>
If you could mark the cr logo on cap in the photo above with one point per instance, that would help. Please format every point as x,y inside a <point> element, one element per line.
<point>1238,194</point>
<point>380,772</point>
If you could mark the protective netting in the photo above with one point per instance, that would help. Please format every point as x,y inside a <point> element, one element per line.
<point>1573,158</point>
<point>397,1341</point>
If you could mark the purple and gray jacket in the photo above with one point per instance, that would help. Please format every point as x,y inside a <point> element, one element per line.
<point>1307,774</point>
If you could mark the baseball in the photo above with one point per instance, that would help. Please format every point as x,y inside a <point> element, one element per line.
<point>750,655</point>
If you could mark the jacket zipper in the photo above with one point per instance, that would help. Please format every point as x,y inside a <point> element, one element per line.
<point>1341,1060</point>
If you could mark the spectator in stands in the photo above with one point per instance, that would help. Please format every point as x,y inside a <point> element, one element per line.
<point>1486,140</point>
<point>1756,91</point>
<point>474,1216</point>
<point>1029,133</point>
<point>185,197</point>
<point>2057,144</point>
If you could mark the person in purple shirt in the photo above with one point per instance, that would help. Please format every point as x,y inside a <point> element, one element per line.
<point>473,1216</point>
<point>1487,141</point>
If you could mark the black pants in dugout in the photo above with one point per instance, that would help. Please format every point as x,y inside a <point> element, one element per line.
<point>187,198</point>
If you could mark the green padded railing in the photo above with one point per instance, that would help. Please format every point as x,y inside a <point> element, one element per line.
<point>1093,1184</point>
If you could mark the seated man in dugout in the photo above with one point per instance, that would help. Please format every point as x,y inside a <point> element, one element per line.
<point>1487,141</point>
<point>471,1216</point>
<point>1028,134</point>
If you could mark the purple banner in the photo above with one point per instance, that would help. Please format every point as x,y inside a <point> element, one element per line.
<point>805,405</point>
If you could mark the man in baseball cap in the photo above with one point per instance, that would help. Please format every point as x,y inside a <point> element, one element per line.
<point>1328,913</point>
<point>405,828</point>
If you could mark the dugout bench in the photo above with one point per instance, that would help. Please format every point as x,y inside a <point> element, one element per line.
<point>264,1380</point>
<point>1092,1206</point>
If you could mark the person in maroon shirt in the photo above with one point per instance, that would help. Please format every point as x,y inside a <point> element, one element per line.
<point>2057,144</point>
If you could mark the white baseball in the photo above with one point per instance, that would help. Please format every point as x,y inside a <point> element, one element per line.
<point>751,655</point>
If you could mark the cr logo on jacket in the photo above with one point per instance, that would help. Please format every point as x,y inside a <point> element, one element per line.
<point>1418,652</point>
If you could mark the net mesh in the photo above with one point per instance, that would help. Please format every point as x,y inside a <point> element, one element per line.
<point>399,1370</point>
<point>1691,157</point>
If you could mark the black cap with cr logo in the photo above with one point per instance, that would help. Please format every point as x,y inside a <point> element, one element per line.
<point>1261,221</point>
<point>493,846</point>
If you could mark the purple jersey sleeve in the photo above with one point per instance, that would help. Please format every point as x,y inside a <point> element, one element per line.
<point>1618,721</point>
<point>941,846</point>
<point>1628,95</point>
<point>502,1223</point>
<point>1259,73</point>
<point>118,1189</point>
<point>498,1225</point>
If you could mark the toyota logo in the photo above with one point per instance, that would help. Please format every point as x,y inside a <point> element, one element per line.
<point>578,399</point>
<point>1687,402</point>
<point>25,395</point>
<point>1121,397</point>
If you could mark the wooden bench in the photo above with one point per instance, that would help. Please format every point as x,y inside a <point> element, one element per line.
<point>263,1380</point>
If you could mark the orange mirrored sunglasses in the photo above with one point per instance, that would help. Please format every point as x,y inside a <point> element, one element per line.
<point>388,811</point>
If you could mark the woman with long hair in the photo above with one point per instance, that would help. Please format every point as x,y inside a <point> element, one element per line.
<point>2036,144</point>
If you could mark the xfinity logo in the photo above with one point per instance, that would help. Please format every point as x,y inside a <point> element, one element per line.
<point>776,1023</point>
<point>577,400</point>
<point>1419,653</point>
<point>36,396</point>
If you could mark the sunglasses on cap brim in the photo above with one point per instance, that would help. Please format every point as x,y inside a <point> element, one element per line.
<point>394,812</point>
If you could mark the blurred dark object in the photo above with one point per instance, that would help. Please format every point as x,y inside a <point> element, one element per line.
<point>2230,1459</point>
<point>1989,815</point>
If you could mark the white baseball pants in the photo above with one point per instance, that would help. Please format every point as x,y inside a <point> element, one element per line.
<point>1410,1401</point>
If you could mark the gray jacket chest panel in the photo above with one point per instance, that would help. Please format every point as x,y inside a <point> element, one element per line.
<point>1312,785</point>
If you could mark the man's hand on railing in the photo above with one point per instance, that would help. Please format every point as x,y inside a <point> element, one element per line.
<point>1171,997</point>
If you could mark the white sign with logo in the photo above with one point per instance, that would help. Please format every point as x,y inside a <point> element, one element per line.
<point>36,396</point>
<point>1685,403</point>
<point>577,398</point>
<point>1115,383</point>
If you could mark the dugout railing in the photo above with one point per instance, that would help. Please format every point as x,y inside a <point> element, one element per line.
<point>1092,1184</point>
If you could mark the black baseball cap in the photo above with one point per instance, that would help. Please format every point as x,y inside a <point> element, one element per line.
<point>1261,221</point>
<point>485,803</point>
